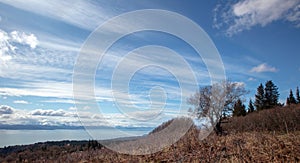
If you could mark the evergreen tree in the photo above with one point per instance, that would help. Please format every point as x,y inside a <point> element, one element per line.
<point>239,108</point>
<point>297,95</point>
<point>271,95</point>
<point>259,98</point>
<point>291,98</point>
<point>288,101</point>
<point>250,107</point>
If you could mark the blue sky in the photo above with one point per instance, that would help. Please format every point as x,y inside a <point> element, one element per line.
<point>258,40</point>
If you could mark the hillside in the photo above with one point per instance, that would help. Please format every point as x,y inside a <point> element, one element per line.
<point>279,119</point>
<point>268,136</point>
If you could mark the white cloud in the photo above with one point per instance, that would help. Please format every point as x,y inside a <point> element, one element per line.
<point>4,109</point>
<point>8,39</point>
<point>41,68</point>
<point>251,79</point>
<point>8,47</point>
<point>263,68</point>
<point>72,108</point>
<point>65,101</point>
<point>239,84</point>
<point>44,117</point>
<point>22,62</point>
<point>69,117</point>
<point>23,38</point>
<point>52,42</point>
<point>40,89</point>
<point>41,112</point>
<point>21,102</point>
<point>5,47</point>
<point>294,16</point>
<point>36,69</point>
<point>246,14</point>
<point>146,115</point>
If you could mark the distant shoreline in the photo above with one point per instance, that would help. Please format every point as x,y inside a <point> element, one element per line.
<point>71,142</point>
<point>48,127</point>
<point>21,135</point>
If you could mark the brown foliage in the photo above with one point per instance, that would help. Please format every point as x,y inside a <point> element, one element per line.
<point>241,147</point>
<point>249,140</point>
<point>279,119</point>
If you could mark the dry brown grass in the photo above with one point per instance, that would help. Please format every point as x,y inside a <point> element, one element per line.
<point>241,147</point>
<point>267,136</point>
<point>280,119</point>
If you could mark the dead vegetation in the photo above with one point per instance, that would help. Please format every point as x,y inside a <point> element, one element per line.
<point>280,119</point>
<point>241,147</point>
<point>268,136</point>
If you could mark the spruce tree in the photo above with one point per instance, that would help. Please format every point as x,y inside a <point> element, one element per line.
<point>239,108</point>
<point>250,107</point>
<point>297,95</point>
<point>291,98</point>
<point>259,98</point>
<point>271,95</point>
<point>288,101</point>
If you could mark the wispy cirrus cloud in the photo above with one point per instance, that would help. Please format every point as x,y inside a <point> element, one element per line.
<point>245,14</point>
<point>21,57</point>
<point>21,102</point>
<point>264,67</point>
<point>38,71</point>
<point>251,79</point>
<point>40,89</point>
<point>46,69</point>
<point>80,13</point>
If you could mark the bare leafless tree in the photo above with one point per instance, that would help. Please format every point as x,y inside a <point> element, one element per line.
<point>215,102</point>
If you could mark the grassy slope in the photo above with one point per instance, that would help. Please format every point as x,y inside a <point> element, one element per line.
<point>269,136</point>
<point>247,146</point>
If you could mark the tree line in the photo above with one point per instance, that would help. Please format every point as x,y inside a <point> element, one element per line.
<point>291,99</point>
<point>221,100</point>
<point>266,97</point>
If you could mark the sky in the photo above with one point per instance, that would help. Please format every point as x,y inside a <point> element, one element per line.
<point>144,78</point>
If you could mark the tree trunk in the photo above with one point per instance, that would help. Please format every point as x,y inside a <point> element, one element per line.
<point>218,129</point>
